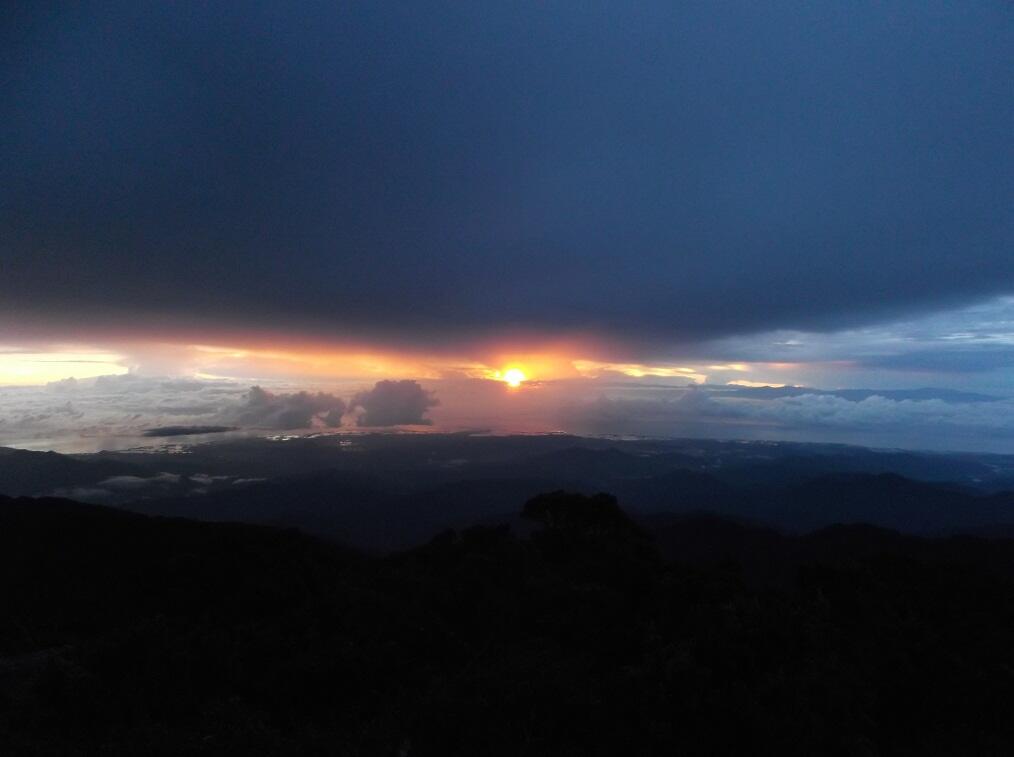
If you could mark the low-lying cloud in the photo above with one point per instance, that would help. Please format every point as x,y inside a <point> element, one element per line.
<point>932,422</point>
<point>394,403</point>
<point>388,403</point>
<point>264,409</point>
<point>117,412</point>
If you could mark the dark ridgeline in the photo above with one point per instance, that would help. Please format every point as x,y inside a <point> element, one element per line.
<point>163,431</point>
<point>126,635</point>
<point>383,492</point>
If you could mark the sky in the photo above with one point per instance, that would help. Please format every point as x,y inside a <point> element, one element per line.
<point>618,199</point>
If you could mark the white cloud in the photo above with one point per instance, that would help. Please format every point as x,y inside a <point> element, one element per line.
<point>874,420</point>
<point>119,483</point>
<point>263,409</point>
<point>109,407</point>
<point>878,412</point>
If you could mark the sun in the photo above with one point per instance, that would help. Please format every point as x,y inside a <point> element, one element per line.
<point>514,377</point>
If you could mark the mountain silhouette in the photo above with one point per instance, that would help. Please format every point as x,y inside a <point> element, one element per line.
<point>594,634</point>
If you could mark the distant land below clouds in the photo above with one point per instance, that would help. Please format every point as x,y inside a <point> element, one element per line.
<point>163,431</point>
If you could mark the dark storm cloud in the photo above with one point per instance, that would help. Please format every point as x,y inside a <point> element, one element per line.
<point>264,409</point>
<point>394,403</point>
<point>435,171</point>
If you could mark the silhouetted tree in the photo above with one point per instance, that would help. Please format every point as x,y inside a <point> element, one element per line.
<point>597,515</point>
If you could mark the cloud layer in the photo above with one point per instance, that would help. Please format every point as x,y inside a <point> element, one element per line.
<point>116,412</point>
<point>129,410</point>
<point>946,421</point>
<point>659,172</point>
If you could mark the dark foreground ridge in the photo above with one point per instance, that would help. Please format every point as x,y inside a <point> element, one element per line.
<point>125,634</point>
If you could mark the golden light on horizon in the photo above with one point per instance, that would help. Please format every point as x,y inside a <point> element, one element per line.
<point>325,364</point>
<point>33,368</point>
<point>513,377</point>
<point>595,368</point>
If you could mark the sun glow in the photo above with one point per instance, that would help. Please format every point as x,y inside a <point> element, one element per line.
<point>513,377</point>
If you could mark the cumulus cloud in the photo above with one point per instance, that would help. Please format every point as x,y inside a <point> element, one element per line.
<point>394,403</point>
<point>264,409</point>
<point>123,411</point>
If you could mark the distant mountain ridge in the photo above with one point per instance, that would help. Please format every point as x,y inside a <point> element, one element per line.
<point>23,472</point>
<point>367,513</point>
<point>384,493</point>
